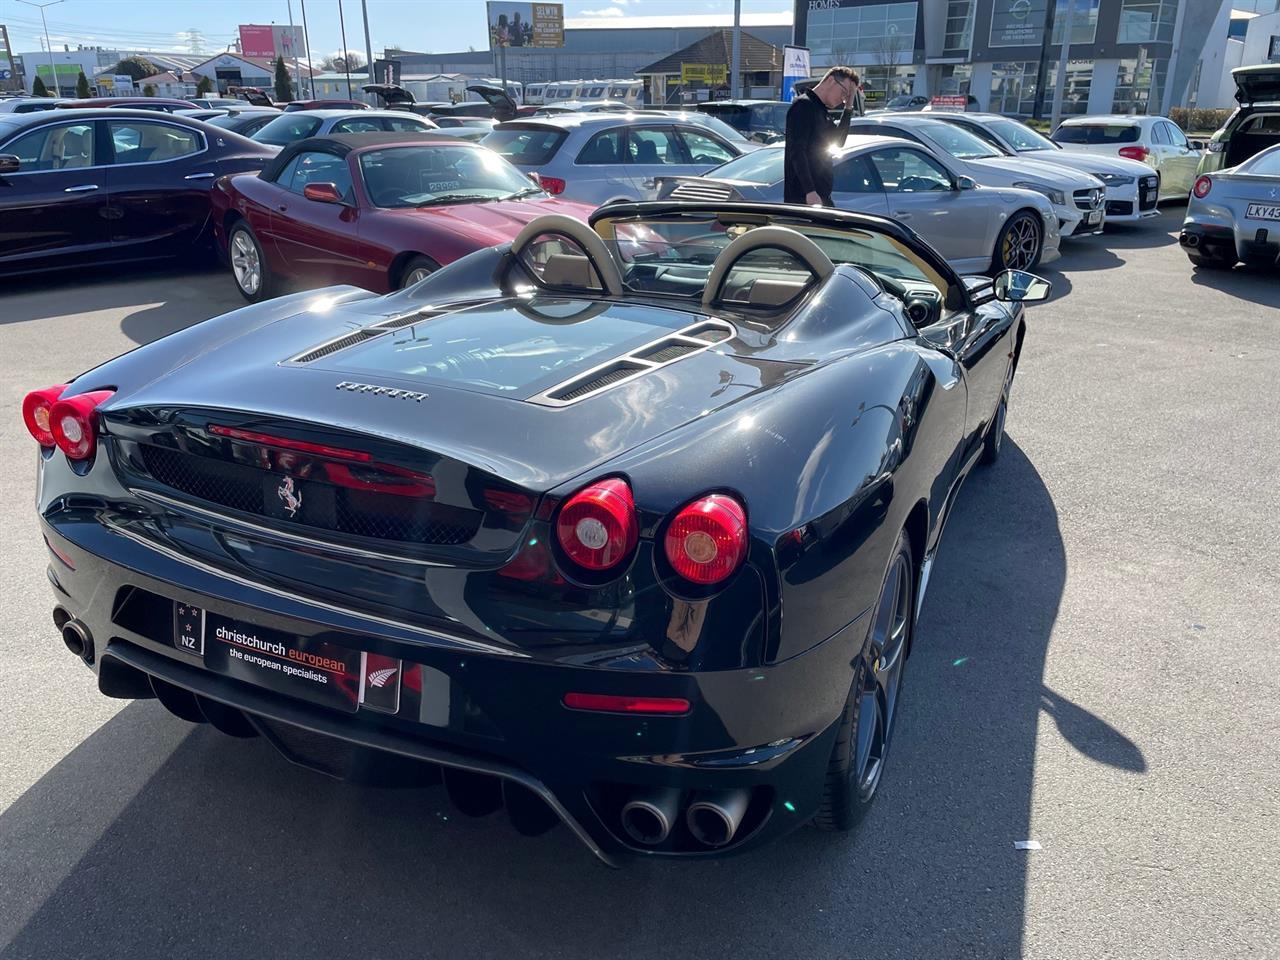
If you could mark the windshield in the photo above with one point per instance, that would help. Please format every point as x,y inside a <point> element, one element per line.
<point>674,254</point>
<point>1021,137</point>
<point>287,128</point>
<point>526,145</point>
<point>419,176</point>
<point>961,144</point>
<point>760,166</point>
<point>1093,133</point>
<point>719,126</point>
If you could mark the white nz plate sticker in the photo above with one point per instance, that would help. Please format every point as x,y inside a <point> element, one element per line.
<point>1263,211</point>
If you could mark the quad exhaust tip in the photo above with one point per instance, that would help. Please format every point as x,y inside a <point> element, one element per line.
<point>714,818</point>
<point>648,817</point>
<point>1190,240</point>
<point>75,635</point>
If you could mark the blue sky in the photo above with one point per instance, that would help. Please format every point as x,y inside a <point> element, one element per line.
<point>433,25</point>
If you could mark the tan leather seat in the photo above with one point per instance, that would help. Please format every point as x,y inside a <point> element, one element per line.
<point>569,270</point>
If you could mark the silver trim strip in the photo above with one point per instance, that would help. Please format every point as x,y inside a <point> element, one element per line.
<point>247,526</point>
<point>319,604</point>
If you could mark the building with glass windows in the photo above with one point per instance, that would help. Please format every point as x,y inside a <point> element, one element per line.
<point>1124,56</point>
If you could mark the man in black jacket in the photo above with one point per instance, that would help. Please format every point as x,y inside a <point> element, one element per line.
<point>811,135</point>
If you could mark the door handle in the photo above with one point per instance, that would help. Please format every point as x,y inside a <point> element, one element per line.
<point>283,208</point>
<point>651,182</point>
<point>902,214</point>
<point>198,176</point>
<point>83,188</point>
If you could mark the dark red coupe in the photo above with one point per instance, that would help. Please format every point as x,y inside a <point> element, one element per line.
<point>380,211</point>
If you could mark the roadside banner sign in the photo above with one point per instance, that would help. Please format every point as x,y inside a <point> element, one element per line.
<point>525,24</point>
<point>948,104</point>
<point>795,66</point>
<point>708,74</point>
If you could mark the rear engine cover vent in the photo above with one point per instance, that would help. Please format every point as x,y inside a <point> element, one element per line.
<point>596,380</point>
<point>333,346</point>
<point>702,191</point>
<point>711,333</point>
<point>667,350</point>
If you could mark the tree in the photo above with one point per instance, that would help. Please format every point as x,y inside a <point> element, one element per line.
<point>82,86</point>
<point>284,86</point>
<point>38,89</point>
<point>889,53</point>
<point>342,61</point>
<point>204,87</point>
<point>148,90</point>
<point>136,68</point>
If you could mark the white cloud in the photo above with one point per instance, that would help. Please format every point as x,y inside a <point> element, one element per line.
<point>606,12</point>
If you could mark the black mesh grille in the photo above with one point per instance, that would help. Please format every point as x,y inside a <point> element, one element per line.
<point>597,382</point>
<point>361,513</point>
<point>335,345</point>
<point>667,351</point>
<point>1148,193</point>
<point>1119,208</point>
<point>710,334</point>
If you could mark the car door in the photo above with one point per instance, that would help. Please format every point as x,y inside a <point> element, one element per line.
<point>600,171</point>
<point>157,185</point>
<point>318,242</point>
<point>1183,158</point>
<point>358,125</point>
<point>53,208</point>
<point>704,149</point>
<point>407,124</point>
<point>923,194</point>
<point>655,151</point>
<point>856,186</point>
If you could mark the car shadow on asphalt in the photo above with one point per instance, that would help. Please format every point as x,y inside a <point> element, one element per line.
<point>1240,282</point>
<point>222,848</point>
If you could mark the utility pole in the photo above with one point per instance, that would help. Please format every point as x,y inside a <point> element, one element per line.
<point>346,54</point>
<point>735,77</point>
<point>368,43</point>
<point>306,43</point>
<point>297,70</point>
<point>1042,71</point>
<point>1059,88</point>
<point>53,71</point>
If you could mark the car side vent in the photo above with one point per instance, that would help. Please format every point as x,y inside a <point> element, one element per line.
<point>333,346</point>
<point>597,380</point>
<point>702,191</point>
<point>668,350</point>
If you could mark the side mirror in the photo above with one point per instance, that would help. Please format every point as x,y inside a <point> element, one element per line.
<point>9,163</point>
<point>1018,286</point>
<point>322,192</point>
<point>965,183</point>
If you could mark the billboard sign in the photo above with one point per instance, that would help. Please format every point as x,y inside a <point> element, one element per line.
<point>269,41</point>
<point>795,66</point>
<point>525,24</point>
<point>706,74</point>
<point>1273,49</point>
<point>949,103</point>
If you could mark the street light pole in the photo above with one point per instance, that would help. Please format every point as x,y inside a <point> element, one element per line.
<point>735,78</point>
<point>346,54</point>
<point>297,70</point>
<point>53,71</point>
<point>1059,88</point>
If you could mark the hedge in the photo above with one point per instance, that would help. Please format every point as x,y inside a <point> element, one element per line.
<point>1197,120</point>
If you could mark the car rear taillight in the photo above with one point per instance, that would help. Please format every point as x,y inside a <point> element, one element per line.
<point>553,185</point>
<point>707,539</point>
<point>1135,153</point>
<point>75,425</point>
<point>1202,187</point>
<point>597,526</point>
<point>36,407</point>
<point>610,703</point>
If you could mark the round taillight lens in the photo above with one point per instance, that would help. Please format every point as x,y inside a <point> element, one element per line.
<point>597,526</point>
<point>37,409</point>
<point>707,539</point>
<point>73,423</point>
<point>1202,187</point>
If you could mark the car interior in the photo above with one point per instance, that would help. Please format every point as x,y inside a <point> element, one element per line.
<point>1254,135</point>
<point>54,148</point>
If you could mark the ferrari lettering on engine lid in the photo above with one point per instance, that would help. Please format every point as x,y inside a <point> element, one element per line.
<point>393,392</point>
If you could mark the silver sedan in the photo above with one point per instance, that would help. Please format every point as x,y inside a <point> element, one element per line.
<point>1234,215</point>
<point>976,228</point>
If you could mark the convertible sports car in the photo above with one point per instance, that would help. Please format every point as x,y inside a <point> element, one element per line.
<point>1234,215</point>
<point>624,526</point>
<point>380,211</point>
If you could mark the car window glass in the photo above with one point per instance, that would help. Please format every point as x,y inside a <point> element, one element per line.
<point>909,171</point>
<point>604,147</point>
<point>759,166</point>
<point>525,145</point>
<point>357,125</point>
<point>1266,163</point>
<point>1176,136</point>
<point>1158,134</point>
<point>854,175</point>
<point>987,137</point>
<point>705,149</point>
<point>316,167</point>
<point>286,128</point>
<point>140,141</point>
<point>62,147</point>
<point>653,147</point>
<point>405,124</point>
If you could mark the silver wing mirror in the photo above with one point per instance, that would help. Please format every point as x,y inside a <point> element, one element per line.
<point>965,183</point>
<point>1018,286</point>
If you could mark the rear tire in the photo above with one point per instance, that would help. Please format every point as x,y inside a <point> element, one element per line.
<point>417,269</point>
<point>871,709</point>
<point>1020,243</point>
<point>249,270</point>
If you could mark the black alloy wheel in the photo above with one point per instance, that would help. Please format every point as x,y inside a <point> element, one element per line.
<point>866,728</point>
<point>995,430</point>
<point>1020,243</point>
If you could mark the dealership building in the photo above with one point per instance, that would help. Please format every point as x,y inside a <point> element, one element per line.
<point>1125,56</point>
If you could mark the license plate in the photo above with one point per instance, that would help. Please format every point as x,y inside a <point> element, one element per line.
<point>1094,218</point>
<point>1263,211</point>
<point>316,670</point>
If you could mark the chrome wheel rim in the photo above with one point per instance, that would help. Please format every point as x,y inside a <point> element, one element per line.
<point>245,264</point>
<point>882,678</point>
<point>1020,245</point>
<point>416,274</point>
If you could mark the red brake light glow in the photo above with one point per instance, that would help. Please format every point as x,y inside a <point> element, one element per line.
<point>610,703</point>
<point>1202,187</point>
<point>707,540</point>
<point>1135,153</point>
<point>268,440</point>
<point>553,185</point>
<point>36,409</point>
<point>74,425</point>
<point>597,526</point>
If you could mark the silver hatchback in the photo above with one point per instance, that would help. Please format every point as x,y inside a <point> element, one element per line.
<point>599,157</point>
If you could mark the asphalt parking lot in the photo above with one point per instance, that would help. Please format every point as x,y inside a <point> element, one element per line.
<point>1099,673</point>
